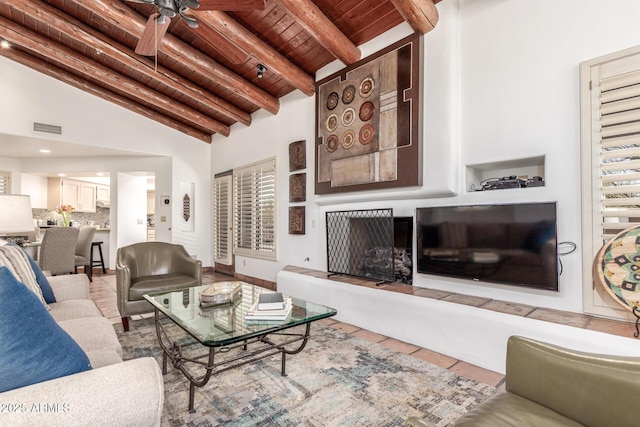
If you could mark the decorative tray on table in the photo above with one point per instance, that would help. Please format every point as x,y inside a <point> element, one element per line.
<point>220,293</point>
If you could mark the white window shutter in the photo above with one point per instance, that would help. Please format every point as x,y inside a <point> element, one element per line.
<point>618,133</point>
<point>254,213</point>
<point>5,182</point>
<point>222,219</point>
<point>610,135</point>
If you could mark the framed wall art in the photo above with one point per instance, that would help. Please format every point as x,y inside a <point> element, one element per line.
<point>367,122</point>
<point>187,193</point>
<point>297,156</point>
<point>297,187</point>
<point>296,220</point>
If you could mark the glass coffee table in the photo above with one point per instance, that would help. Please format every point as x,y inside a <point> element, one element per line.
<point>218,337</point>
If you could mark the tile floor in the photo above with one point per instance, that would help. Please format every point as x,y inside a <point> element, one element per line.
<point>103,292</point>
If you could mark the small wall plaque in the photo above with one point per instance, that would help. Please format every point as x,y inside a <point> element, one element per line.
<point>187,189</point>
<point>297,156</point>
<point>298,187</point>
<point>297,220</point>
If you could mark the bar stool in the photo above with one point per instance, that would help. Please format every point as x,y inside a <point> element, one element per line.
<point>100,262</point>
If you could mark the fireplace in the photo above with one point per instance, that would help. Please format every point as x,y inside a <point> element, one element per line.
<point>370,243</point>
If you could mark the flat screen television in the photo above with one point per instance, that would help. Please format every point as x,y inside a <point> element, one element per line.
<point>514,244</point>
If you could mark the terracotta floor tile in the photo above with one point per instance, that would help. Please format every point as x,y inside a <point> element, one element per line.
<point>319,274</point>
<point>509,307</point>
<point>430,293</point>
<point>477,373</point>
<point>295,269</point>
<point>436,358</point>
<point>344,327</point>
<point>467,299</point>
<point>563,317</point>
<point>327,321</point>
<point>369,336</point>
<point>399,346</point>
<point>614,327</point>
<point>403,289</point>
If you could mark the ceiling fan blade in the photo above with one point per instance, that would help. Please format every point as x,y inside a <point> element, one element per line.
<point>142,1</point>
<point>231,5</point>
<point>152,35</point>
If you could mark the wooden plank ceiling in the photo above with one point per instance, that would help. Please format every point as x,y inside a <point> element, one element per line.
<point>204,79</point>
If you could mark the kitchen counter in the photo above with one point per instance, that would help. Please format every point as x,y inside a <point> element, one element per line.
<point>44,227</point>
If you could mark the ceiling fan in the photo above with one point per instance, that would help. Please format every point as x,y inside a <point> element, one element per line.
<point>158,23</point>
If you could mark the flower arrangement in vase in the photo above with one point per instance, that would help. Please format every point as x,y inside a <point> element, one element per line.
<point>65,211</point>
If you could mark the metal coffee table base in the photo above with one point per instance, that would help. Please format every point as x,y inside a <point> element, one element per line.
<point>174,351</point>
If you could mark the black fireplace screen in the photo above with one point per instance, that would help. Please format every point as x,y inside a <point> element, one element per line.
<point>360,243</point>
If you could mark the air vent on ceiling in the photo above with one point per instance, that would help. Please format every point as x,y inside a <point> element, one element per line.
<point>43,127</point>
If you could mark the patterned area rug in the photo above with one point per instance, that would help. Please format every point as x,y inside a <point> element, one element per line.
<point>337,380</point>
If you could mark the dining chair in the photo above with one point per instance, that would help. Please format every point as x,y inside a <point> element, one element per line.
<point>83,251</point>
<point>58,249</point>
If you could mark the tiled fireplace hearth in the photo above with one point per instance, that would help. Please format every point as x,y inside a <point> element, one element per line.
<point>465,327</point>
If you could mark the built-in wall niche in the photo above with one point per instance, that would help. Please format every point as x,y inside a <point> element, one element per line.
<point>525,169</point>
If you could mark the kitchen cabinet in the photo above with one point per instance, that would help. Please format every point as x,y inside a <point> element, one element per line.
<point>80,195</point>
<point>103,193</point>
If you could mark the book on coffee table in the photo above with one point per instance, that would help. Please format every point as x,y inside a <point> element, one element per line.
<point>273,315</point>
<point>271,301</point>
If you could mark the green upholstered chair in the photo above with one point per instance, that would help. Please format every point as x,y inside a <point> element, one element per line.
<point>547,385</point>
<point>147,267</point>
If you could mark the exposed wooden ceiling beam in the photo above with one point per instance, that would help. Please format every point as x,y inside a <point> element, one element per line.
<point>255,47</point>
<point>76,30</point>
<point>216,41</point>
<point>232,5</point>
<point>84,85</point>
<point>316,23</point>
<point>125,19</point>
<point>422,15</point>
<point>97,72</point>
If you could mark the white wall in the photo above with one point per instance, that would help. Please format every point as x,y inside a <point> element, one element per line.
<point>132,211</point>
<point>500,83</point>
<point>29,96</point>
<point>36,187</point>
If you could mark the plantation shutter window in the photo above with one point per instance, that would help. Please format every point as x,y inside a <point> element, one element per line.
<point>254,213</point>
<point>222,219</point>
<point>5,182</point>
<point>610,150</point>
<point>619,139</point>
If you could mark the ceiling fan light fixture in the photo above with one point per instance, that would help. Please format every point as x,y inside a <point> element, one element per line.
<point>167,8</point>
<point>5,44</point>
<point>192,23</point>
<point>190,4</point>
<point>261,70</point>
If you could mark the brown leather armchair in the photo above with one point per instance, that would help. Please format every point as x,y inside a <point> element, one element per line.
<point>148,267</point>
<point>547,385</point>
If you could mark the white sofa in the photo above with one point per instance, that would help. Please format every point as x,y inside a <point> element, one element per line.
<point>114,392</point>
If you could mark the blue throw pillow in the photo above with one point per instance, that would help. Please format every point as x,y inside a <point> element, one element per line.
<point>45,287</point>
<point>34,348</point>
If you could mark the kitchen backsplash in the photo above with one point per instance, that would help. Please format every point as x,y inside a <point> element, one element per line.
<point>100,217</point>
